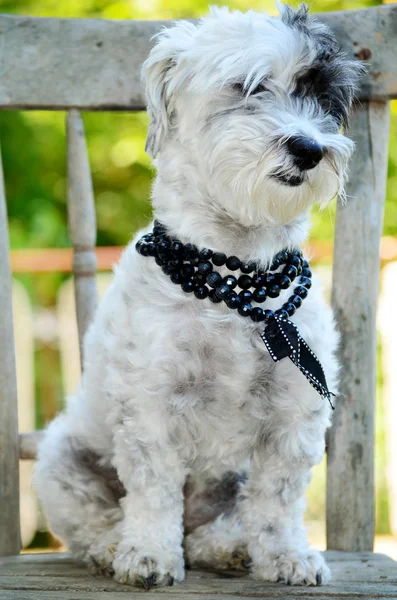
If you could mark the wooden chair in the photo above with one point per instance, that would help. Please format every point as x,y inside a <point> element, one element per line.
<point>81,64</point>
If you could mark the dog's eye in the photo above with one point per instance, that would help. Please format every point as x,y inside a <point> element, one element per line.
<point>238,86</point>
<point>259,88</point>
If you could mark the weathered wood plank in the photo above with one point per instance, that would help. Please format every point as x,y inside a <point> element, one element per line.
<point>94,64</point>
<point>360,575</point>
<point>350,475</point>
<point>82,224</point>
<point>9,449</point>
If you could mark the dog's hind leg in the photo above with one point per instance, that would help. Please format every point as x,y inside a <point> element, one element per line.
<point>218,545</point>
<point>80,495</point>
<point>213,534</point>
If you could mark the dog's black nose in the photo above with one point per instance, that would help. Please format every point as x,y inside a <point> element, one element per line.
<point>306,152</point>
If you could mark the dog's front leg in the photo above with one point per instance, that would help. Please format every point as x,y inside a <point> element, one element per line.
<point>150,551</point>
<point>272,508</point>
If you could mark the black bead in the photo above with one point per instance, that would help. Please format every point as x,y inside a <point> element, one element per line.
<point>290,308</point>
<point>164,245</point>
<point>190,251</point>
<point>231,281</point>
<point>201,292</point>
<point>270,278</point>
<point>259,280</point>
<point>284,282</point>
<point>159,229</point>
<point>299,269</point>
<point>290,271</point>
<point>206,254</point>
<point>233,263</point>
<point>188,287</point>
<point>275,264</point>
<point>295,260</point>
<point>283,257</point>
<point>296,301</point>
<point>158,261</point>
<point>192,254</point>
<point>267,314</point>
<point>199,279</point>
<point>260,295</point>
<point>306,272</point>
<point>143,250</point>
<point>205,267</point>
<point>257,314</point>
<point>245,310</point>
<point>151,249</point>
<point>301,291</point>
<point>245,282</point>
<point>175,263</point>
<point>305,264</point>
<point>248,267</point>
<point>233,301</point>
<point>273,291</point>
<point>176,277</point>
<point>219,259</point>
<point>213,297</point>
<point>223,291</point>
<point>282,313</point>
<point>177,249</point>
<point>167,269</point>
<point>306,281</point>
<point>214,279</point>
<point>147,237</point>
<point>163,250</point>
<point>194,260</point>
<point>246,296</point>
<point>187,271</point>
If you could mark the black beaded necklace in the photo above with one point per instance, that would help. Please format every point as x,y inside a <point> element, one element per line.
<point>193,270</point>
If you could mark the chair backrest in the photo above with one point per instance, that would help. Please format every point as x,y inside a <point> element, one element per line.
<point>82,64</point>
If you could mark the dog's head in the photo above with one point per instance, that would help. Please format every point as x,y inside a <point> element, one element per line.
<point>257,106</point>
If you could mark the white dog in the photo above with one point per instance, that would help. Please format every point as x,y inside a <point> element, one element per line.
<point>177,393</point>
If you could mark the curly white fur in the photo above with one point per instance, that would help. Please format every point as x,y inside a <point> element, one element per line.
<point>175,389</point>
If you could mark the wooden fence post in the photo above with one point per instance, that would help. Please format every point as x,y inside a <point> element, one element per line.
<point>82,224</point>
<point>350,472</point>
<point>9,442</point>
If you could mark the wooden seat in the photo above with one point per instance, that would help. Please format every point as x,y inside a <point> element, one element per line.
<point>72,65</point>
<point>49,576</point>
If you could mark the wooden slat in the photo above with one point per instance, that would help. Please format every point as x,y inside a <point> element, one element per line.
<point>9,445</point>
<point>82,224</point>
<point>94,64</point>
<point>37,577</point>
<point>350,476</point>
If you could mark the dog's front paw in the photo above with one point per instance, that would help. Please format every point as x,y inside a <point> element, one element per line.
<point>294,568</point>
<point>148,568</point>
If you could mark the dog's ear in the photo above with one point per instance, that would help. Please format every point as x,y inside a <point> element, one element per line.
<point>293,18</point>
<point>163,76</point>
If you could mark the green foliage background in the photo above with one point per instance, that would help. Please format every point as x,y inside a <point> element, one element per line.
<point>33,148</point>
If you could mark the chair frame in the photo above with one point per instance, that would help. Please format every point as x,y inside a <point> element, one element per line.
<point>91,65</point>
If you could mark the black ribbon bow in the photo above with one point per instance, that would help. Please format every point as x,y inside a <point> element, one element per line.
<point>282,339</point>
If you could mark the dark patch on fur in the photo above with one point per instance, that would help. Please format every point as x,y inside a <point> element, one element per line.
<point>218,497</point>
<point>331,79</point>
<point>332,82</point>
<point>270,529</point>
<point>91,461</point>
